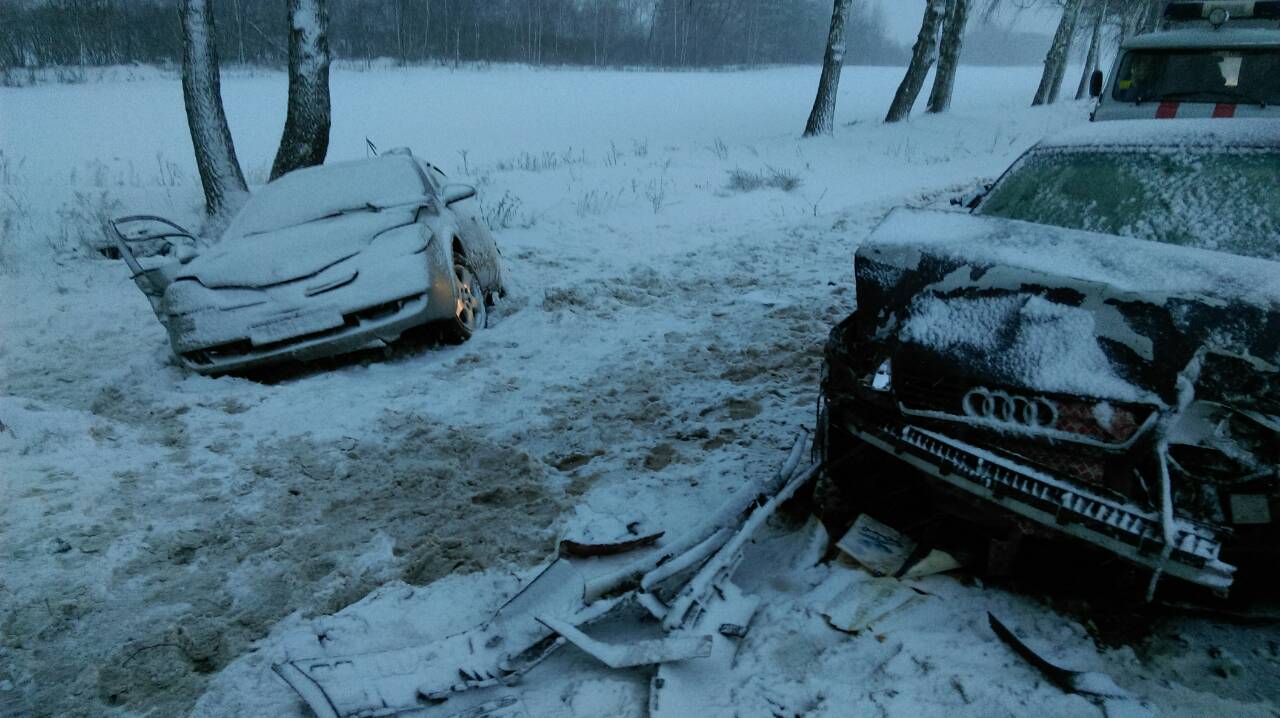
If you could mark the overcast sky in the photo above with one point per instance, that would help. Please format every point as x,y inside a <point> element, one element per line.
<point>904,18</point>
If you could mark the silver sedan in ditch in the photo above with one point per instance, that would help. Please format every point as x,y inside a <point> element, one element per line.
<point>322,261</point>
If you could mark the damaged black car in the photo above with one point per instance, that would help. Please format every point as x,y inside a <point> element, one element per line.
<point>1092,353</point>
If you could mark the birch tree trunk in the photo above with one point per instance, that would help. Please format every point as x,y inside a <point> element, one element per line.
<point>823,115</point>
<point>306,127</point>
<point>220,175</point>
<point>923,54</point>
<point>1149,20</point>
<point>944,81</point>
<point>1091,59</point>
<point>1055,62</point>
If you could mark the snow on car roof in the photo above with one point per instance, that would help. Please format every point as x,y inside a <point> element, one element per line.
<point>312,193</point>
<point>1208,133</point>
<point>1127,264</point>
<point>1205,38</point>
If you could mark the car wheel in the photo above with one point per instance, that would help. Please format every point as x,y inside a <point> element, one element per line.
<point>470,314</point>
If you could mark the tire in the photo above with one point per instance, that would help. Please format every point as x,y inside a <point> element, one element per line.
<point>471,314</point>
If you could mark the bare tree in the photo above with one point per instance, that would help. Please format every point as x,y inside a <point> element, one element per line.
<point>944,81</point>
<point>1055,62</point>
<point>224,186</point>
<point>1091,58</point>
<point>923,54</point>
<point>306,127</point>
<point>823,116</point>
<point>1149,13</point>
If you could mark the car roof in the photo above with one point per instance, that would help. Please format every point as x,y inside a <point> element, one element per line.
<point>1206,38</point>
<point>1164,134</point>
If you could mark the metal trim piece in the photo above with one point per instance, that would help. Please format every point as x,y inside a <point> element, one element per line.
<point>1036,432</point>
<point>1126,531</point>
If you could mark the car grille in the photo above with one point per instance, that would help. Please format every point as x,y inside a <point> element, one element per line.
<point>1083,464</point>
<point>919,388</point>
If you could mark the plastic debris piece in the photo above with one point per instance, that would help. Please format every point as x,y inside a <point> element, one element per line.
<point>1115,701</point>
<point>880,548</point>
<point>584,549</point>
<point>935,562</point>
<point>679,689</point>
<point>505,707</point>
<point>639,653</point>
<point>864,604</point>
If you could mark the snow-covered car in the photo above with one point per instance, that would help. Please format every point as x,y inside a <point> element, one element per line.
<point>1093,352</point>
<point>322,261</point>
<point>1212,58</point>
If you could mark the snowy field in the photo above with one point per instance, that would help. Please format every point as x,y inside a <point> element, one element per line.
<point>165,538</point>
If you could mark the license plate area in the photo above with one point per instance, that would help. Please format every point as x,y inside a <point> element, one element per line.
<point>295,325</point>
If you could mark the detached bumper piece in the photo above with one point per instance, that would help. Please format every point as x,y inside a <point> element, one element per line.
<point>1123,529</point>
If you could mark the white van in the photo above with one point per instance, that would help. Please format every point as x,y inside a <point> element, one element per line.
<point>1213,58</point>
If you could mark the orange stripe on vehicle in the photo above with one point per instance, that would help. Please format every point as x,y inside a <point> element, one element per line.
<point>1167,110</point>
<point>1224,110</point>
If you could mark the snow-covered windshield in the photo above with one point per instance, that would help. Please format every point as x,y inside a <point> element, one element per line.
<point>1210,198</point>
<point>1250,77</point>
<point>317,192</point>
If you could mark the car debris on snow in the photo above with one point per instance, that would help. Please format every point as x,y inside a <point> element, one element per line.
<point>859,607</point>
<point>885,551</point>
<point>679,689</point>
<point>704,618</point>
<point>630,655</point>
<point>1116,702</point>
<point>505,707</point>
<point>882,549</point>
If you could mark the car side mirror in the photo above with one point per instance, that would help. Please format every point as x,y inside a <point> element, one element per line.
<point>457,192</point>
<point>1095,84</point>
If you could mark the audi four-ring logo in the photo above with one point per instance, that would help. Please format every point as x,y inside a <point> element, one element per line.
<point>1032,412</point>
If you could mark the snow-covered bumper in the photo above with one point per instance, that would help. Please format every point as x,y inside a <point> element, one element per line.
<point>345,308</point>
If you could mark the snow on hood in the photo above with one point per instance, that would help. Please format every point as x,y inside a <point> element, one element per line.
<point>1152,269</point>
<point>1029,305</point>
<point>294,252</point>
<point>1021,340</point>
<point>1239,132</point>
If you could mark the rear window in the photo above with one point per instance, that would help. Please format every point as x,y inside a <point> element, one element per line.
<point>1208,198</point>
<point>1250,77</point>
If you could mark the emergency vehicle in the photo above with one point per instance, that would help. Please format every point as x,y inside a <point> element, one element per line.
<point>1211,58</point>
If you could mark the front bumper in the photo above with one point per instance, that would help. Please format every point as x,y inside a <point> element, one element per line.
<point>1125,530</point>
<point>370,328</point>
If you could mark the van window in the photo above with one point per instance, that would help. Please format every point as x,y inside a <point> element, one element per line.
<point>1246,77</point>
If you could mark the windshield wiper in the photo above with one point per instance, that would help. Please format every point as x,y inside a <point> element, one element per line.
<point>1239,97</point>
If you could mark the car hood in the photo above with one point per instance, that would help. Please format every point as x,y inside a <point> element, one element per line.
<point>291,253</point>
<point>1023,305</point>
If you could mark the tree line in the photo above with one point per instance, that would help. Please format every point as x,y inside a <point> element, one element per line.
<point>940,42</point>
<point>692,33</point>
<point>662,33</point>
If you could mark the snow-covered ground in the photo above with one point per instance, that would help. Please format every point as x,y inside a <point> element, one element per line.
<point>661,342</point>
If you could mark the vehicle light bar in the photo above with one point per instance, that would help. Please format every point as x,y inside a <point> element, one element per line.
<point>1238,9</point>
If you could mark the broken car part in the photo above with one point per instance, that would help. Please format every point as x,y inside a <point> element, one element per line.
<point>563,595</point>
<point>1097,687</point>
